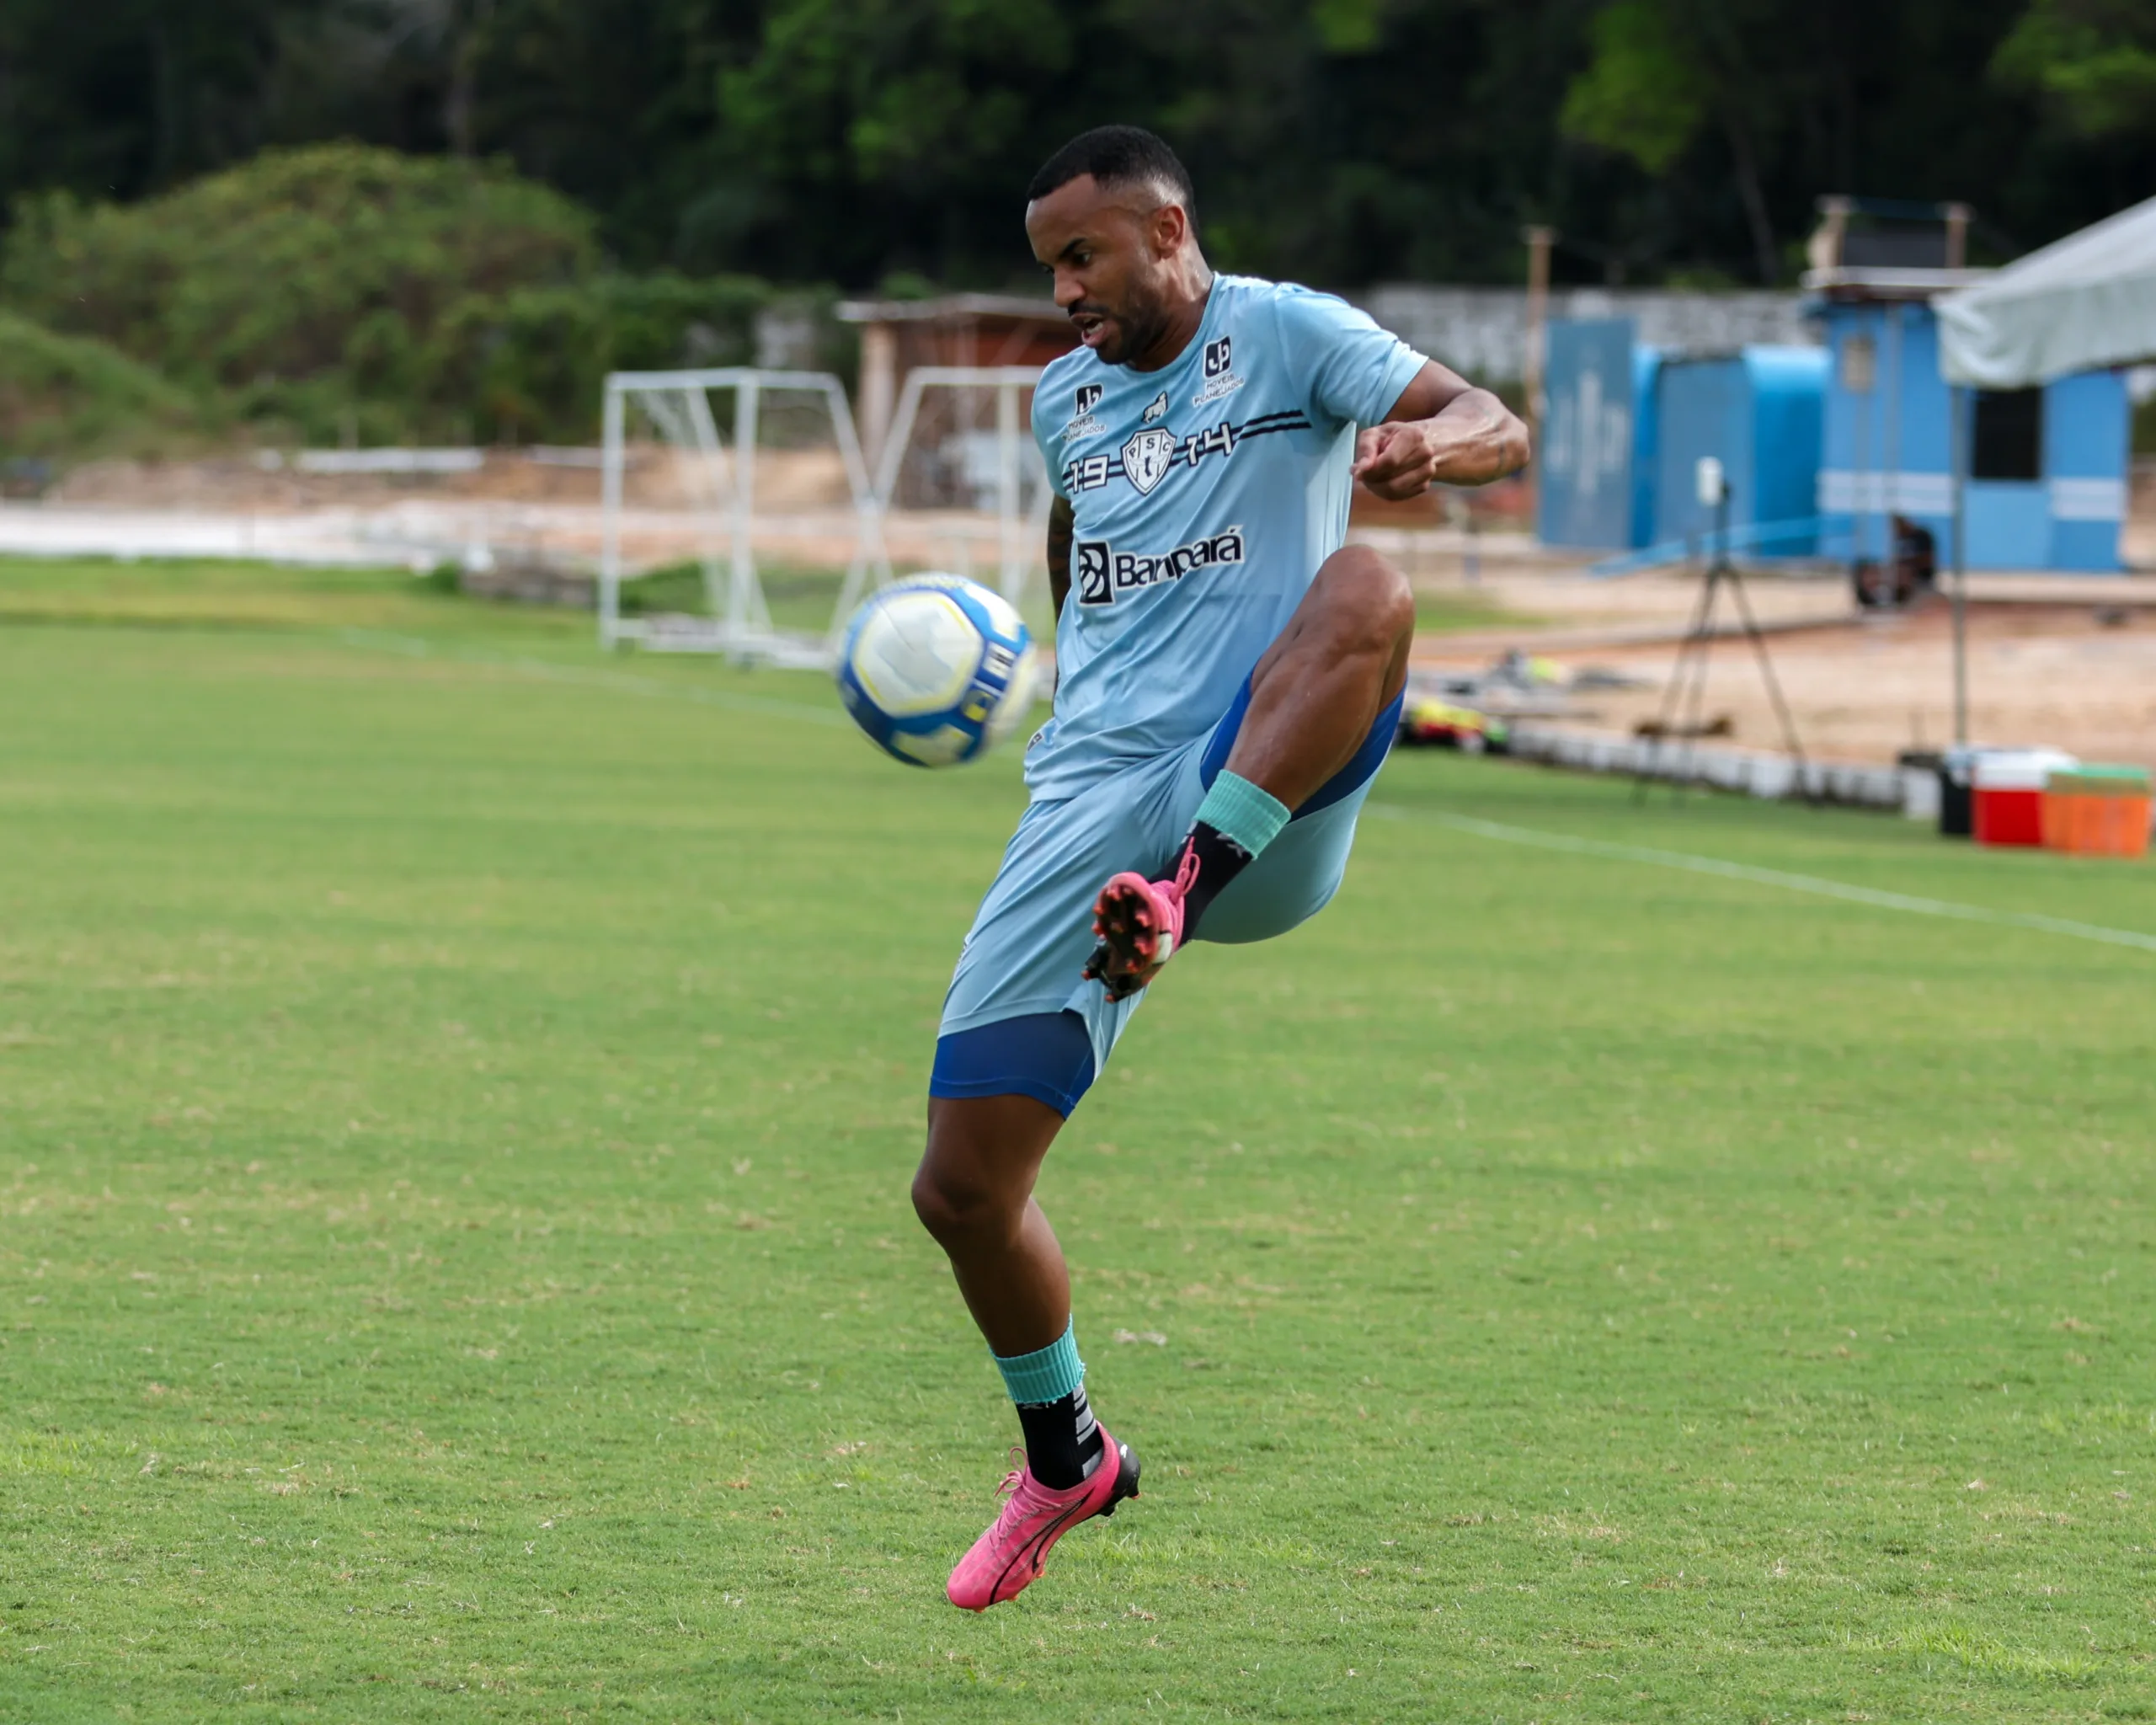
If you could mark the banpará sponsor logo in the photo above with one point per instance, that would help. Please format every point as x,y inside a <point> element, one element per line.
<point>1100,573</point>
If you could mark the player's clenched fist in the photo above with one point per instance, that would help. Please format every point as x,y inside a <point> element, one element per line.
<point>1395,462</point>
<point>1441,435</point>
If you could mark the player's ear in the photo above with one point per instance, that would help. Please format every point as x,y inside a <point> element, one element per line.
<point>1171,228</point>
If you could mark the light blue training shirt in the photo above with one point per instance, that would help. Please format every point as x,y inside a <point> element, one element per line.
<point>1205,494</point>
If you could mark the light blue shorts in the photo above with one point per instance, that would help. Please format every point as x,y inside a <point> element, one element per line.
<point>1026,951</point>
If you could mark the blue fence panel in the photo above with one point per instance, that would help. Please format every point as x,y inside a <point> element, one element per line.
<point>1584,472</point>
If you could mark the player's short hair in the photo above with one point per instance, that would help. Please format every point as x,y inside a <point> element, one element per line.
<point>1119,156</point>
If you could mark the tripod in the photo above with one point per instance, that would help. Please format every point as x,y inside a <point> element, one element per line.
<point>1688,683</point>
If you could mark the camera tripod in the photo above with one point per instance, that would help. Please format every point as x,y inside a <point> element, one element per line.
<point>1688,682</point>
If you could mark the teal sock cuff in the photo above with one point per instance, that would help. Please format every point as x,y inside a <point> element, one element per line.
<point>1047,1375</point>
<point>1236,808</point>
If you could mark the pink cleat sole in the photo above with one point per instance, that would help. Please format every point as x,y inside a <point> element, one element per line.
<point>1139,923</point>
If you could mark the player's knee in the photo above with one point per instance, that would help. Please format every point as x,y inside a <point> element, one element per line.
<point>1373,603</point>
<point>953,1206</point>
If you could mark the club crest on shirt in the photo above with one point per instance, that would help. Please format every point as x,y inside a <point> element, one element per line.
<point>1146,455</point>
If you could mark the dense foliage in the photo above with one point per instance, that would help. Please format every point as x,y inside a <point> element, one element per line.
<point>347,290</point>
<point>1342,140</point>
<point>63,396</point>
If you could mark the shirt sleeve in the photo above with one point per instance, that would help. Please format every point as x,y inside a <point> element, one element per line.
<point>1354,372</point>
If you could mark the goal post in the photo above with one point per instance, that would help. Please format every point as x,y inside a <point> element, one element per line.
<point>678,405</point>
<point>942,479</point>
<point>1021,522</point>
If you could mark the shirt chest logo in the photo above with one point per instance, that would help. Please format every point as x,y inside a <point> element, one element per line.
<point>1220,380</point>
<point>1146,456</point>
<point>1082,424</point>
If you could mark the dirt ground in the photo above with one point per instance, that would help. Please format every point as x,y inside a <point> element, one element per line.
<point>2078,675</point>
<point>655,476</point>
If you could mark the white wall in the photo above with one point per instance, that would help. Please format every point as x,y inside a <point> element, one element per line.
<point>1482,332</point>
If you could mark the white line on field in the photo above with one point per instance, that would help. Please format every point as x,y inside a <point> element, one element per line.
<point>1771,877</point>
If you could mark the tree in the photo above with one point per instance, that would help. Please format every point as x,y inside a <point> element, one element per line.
<point>1663,71</point>
<point>2093,63</point>
<point>1340,141</point>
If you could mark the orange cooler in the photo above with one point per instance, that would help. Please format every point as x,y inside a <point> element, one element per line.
<point>2097,811</point>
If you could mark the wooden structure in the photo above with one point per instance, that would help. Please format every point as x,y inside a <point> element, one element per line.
<point>971,330</point>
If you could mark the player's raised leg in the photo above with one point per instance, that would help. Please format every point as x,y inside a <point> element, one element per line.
<point>1341,660</point>
<point>974,1192</point>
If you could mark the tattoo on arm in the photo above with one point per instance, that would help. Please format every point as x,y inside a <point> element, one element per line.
<point>1062,527</point>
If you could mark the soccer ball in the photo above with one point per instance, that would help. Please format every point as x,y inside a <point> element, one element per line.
<point>936,670</point>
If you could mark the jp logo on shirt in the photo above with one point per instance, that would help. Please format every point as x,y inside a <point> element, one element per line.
<point>1083,422</point>
<point>1220,379</point>
<point>1100,572</point>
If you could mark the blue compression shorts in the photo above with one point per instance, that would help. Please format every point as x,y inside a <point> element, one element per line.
<point>1021,1019</point>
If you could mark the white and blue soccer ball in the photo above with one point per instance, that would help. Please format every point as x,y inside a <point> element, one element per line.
<point>936,670</point>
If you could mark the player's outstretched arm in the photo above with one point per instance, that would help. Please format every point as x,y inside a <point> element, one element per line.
<point>1442,431</point>
<point>1061,528</point>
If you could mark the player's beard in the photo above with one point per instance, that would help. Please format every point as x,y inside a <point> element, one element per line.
<point>1128,330</point>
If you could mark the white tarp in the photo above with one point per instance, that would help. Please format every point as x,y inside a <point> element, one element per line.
<point>2086,302</point>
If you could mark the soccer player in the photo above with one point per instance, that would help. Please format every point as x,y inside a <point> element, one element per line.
<point>1229,679</point>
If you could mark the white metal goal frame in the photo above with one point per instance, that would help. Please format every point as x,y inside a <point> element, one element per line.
<point>679,404</point>
<point>1021,531</point>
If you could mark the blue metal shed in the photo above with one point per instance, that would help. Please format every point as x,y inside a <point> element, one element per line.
<point>2047,474</point>
<point>1758,412</point>
<point>1595,466</point>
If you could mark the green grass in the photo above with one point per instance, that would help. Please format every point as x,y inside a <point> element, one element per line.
<point>456,1101</point>
<point>164,592</point>
<point>1448,609</point>
<point>803,597</point>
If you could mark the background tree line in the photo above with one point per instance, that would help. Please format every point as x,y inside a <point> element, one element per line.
<point>388,220</point>
<point>1340,140</point>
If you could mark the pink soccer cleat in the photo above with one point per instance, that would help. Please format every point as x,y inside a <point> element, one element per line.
<point>1006,1560</point>
<point>1139,923</point>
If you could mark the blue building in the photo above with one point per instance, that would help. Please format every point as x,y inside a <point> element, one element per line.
<point>2047,467</point>
<point>1758,412</point>
<point>1624,426</point>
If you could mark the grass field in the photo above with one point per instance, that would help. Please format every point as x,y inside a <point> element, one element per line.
<point>457,1101</point>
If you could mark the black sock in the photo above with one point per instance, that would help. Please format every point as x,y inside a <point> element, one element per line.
<point>1063,1442</point>
<point>1220,859</point>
